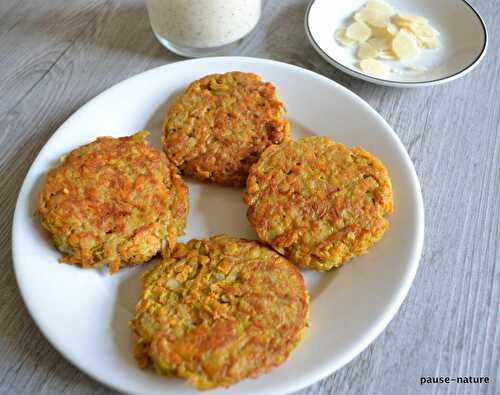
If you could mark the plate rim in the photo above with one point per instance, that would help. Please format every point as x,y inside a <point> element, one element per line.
<point>326,369</point>
<point>394,83</point>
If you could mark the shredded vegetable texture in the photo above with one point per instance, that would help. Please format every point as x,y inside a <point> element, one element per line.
<point>318,202</point>
<point>220,310</point>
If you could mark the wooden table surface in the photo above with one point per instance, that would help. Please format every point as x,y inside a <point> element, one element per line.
<point>56,55</point>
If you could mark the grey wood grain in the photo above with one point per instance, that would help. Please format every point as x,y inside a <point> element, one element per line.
<point>55,56</point>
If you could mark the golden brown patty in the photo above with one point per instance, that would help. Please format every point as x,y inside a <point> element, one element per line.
<point>113,202</point>
<point>221,124</point>
<point>318,202</point>
<point>220,310</point>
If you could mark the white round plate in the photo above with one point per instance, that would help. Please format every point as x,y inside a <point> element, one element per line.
<point>464,39</point>
<point>84,313</point>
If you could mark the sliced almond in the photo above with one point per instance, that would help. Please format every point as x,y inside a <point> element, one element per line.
<point>422,31</point>
<point>358,17</point>
<point>375,68</point>
<point>380,33</point>
<point>419,29</point>
<point>380,43</point>
<point>358,31</point>
<point>366,51</point>
<point>400,23</point>
<point>342,39</point>
<point>413,19</point>
<point>372,17</point>
<point>380,6</point>
<point>392,29</point>
<point>388,32</point>
<point>405,45</point>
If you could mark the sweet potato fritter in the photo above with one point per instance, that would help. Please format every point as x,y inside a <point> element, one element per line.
<point>221,124</point>
<point>317,202</point>
<point>220,310</point>
<point>114,202</point>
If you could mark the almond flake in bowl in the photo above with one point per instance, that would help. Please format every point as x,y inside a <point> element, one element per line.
<point>381,34</point>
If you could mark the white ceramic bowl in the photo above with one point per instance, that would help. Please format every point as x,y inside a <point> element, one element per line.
<point>84,312</point>
<point>464,39</point>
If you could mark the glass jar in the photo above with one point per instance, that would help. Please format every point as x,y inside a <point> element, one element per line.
<point>196,28</point>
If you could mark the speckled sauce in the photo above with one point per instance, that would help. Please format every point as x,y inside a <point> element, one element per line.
<point>203,23</point>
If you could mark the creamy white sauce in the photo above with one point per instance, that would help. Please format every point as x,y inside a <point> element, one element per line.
<point>203,23</point>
